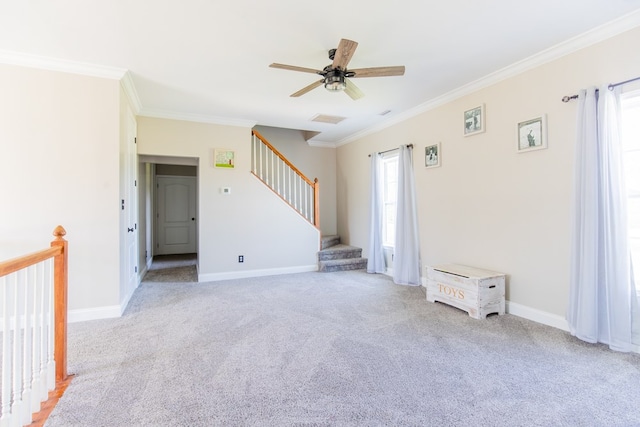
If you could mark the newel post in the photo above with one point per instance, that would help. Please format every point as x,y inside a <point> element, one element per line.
<point>316,203</point>
<point>60,277</point>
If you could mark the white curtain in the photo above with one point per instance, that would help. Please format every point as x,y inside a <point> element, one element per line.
<point>406,261</point>
<point>375,260</point>
<point>603,299</point>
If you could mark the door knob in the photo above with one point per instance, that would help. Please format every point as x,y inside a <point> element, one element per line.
<point>129,230</point>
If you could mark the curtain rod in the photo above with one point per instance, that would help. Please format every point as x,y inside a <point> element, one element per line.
<point>393,149</point>
<point>611,86</point>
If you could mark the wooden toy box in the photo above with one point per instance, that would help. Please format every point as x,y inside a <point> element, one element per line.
<point>478,292</point>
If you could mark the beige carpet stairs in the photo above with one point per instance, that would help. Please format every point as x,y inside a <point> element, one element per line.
<point>334,256</point>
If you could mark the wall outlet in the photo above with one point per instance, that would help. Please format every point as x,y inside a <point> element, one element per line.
<point>240,258</point>
<point>225,190</point>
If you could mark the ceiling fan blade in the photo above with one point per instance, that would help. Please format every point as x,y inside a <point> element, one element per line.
<point>294,68</point>
<point>307,88</point>
<point>352,90</point>
<point>344,52</point>
<point>378,71</point>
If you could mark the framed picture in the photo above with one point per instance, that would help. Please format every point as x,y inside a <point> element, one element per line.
<point>223,158</point>
<point>474,120</point>
<point>532,134</point>
<point>432,155</point>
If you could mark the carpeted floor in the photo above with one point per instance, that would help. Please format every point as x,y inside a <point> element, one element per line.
<point>333,349</point>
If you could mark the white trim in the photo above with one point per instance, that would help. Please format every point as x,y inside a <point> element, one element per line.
<point>62,65</point>
<point>536,315</point>
<point>574,44</point>
<point>85,314</point>
<point>198,118</point>
<point>214,277</point>
<point>130,90</point>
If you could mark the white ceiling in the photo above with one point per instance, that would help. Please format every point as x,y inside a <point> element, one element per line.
<point>208,60</point>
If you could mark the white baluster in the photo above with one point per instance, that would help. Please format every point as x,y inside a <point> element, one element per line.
<point>26,353</point>
<point>5,419</point>
<point>46,285</point>
<point>16,407</point>
<point>50,370</point>
<point>35,340</point>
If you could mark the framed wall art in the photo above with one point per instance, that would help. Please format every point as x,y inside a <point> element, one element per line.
<point>532,134</point>
<point>432,156</point>
<point>223,158</point>
<point>474,120</point>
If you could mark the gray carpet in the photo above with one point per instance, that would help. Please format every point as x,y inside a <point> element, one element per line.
<point>333,349</point>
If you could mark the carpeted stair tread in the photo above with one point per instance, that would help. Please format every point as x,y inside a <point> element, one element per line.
<point>329,241</point>
<point>342,264</point>
<point>339,251</point>
<point>335,256</point>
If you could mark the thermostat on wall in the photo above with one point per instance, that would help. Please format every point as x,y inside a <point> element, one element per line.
<point>225,190</point>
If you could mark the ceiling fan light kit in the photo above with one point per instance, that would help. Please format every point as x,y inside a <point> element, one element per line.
<point>334,81</point>
<point>334,76</point>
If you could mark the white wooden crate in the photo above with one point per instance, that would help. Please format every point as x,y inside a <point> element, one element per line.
<point>474,290</point>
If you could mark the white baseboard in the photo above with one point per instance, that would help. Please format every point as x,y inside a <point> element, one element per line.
<point>537,315</point>
<point>214,277</point>
<point>85,314</point>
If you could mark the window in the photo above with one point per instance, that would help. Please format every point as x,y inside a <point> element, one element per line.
<point>631,149</point>
<point>389,197</point>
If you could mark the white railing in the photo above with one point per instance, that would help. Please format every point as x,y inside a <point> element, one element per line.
<point>32,330</point>
<point>284,179</point>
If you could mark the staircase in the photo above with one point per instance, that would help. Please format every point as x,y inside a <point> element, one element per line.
<point>334,256</point>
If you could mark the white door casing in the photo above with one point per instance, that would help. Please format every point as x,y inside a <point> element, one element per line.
<point>176,215</point>
<point>129,209</point>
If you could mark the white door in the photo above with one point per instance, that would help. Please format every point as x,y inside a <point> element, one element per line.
<point>129,209</point>
<point>176,215</point>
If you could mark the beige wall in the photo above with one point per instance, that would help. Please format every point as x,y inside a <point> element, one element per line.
<point>59,138</point>
<point>251,221</point>
<point>487,205</point>
<point>314,162</point>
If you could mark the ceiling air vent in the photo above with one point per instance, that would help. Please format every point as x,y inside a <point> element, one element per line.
<point>323,118</point>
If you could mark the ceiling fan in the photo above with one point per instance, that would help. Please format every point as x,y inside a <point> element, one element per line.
<point>335,76</point>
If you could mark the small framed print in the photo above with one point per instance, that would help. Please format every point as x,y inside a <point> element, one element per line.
<point>532,134</point>
<point>223,158</point>
<point>432,156</point>
<point>474,120</point>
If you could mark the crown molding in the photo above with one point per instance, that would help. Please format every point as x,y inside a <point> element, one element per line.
<point>574,44</point>
<point>62,65</point>
<point>130,90</point>
<point>199,118</point>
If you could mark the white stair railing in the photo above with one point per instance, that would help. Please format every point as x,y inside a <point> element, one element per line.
<point>284,179</point>
<point>32,336</point>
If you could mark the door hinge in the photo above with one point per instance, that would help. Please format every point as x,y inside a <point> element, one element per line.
<point>135,182</point>
<point>122,204</point>
<point>136,269</point>
<point>135,140</point>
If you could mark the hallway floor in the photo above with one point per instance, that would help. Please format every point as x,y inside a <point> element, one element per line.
<point>173,268</point>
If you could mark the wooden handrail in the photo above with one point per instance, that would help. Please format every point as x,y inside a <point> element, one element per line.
<point>314,185</point>
<point>282,157</point>
<point>57,251</point>
<point>15,264</point>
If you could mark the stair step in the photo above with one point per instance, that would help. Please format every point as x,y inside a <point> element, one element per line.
<point>342,264</point>
<point>339,251</point>
<point>328,241</point>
